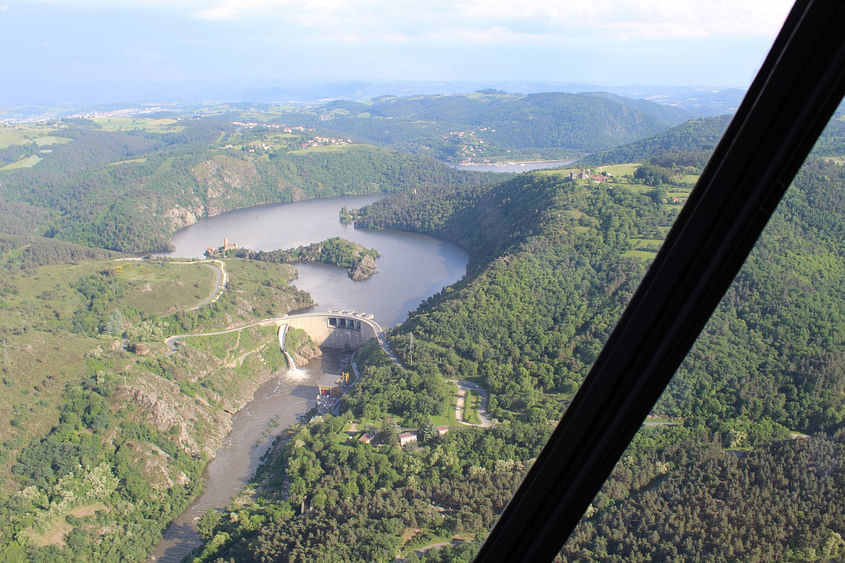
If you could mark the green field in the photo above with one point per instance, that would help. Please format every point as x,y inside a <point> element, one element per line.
<point>160,287</point>
<point>20,135</point>
<point>323,149</point>
<point>27,162</point>
<point>472,401</point>
<point>129,161</point>
<point>135,123</point>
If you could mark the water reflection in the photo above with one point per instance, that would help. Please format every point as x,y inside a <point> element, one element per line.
<point>411,268</point>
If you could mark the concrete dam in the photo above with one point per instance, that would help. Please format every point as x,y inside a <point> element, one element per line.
<point>339,330</point>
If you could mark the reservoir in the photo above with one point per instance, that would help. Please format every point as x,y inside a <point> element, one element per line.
<point>412,267</point>
<point>513,167</point>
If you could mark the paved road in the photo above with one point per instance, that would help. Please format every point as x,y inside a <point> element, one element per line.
<point>438,545</point>
<point>463,387</point>
<point>172,340</point>
<point>220,281</point>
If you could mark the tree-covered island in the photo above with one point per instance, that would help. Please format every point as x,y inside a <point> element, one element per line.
<point>359,261</point>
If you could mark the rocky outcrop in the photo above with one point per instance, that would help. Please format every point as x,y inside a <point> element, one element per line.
<point>225,181</point>
<point>181,217</point>
<point>168,410</point>
<point>364,269</point>
<point>305,353</point>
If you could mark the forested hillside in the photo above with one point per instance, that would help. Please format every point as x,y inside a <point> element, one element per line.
<point>108,426</point>
<point>693,141</point>
<point>496,125</point>
<point>697,137</point>
<point>555,261</point>
<point>796,266</point>
<point>106,430</point>
<point>130,190</point>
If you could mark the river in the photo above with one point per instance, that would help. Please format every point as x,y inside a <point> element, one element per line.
<point>412,267</point>
<point>513,167</point>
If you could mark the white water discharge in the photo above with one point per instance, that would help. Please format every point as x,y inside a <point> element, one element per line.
<point>293,371</point>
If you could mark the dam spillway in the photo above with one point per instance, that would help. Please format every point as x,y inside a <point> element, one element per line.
<point>338,330</point>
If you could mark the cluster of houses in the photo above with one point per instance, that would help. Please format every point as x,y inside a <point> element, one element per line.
<point>123,112</point>
<point>316,141</point>
<point>587,174</point>
<point>325,141</point>
<point>471,145</point>
<point>280,127</point>
<point>258,148</point>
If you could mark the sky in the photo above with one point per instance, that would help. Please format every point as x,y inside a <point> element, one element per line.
<point>55,48</point>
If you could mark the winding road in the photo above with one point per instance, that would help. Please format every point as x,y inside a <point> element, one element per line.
<point>172,341</point>
<point>222,278</point>
<point>220,285</point>
<point>463,387</point>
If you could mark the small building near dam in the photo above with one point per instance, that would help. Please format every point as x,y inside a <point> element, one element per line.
<point>329,385</point>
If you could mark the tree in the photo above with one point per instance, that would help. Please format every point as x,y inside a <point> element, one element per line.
<point>207,522</point>
<point>388,433</point>
<point>427,430</point>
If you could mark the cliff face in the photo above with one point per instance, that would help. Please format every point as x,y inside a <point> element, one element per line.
<point>364,269</point>
<point>300,347</point>
<point>224,180</point>
<point>305,353</point>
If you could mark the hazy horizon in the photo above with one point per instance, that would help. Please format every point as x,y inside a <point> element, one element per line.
<point>94,52</point>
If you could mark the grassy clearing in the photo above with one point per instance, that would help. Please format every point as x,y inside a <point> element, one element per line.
<point>136,123</point>
<point>626,169</point>
<point>27,162</point>
<point>21,135</point>
<point>639,188</point>
<point>674,191</point>
<point>446,419</point>
<point>128,161</point>
<point>689,179</point>
<point>49,140</point>
<point>472,401</point>
<point>324,149</point>
<point>161,287</point>
<point>647,244</point>
<point>646,255</point>
<point>553,172</point>
<point>59,527</point>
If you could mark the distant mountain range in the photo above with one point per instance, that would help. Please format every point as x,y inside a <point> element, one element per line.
<point>23,101</point>
<point>494,125</point>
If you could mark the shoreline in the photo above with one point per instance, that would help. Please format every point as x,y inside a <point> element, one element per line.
<point>512,166</point>
<point>516,162</point>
